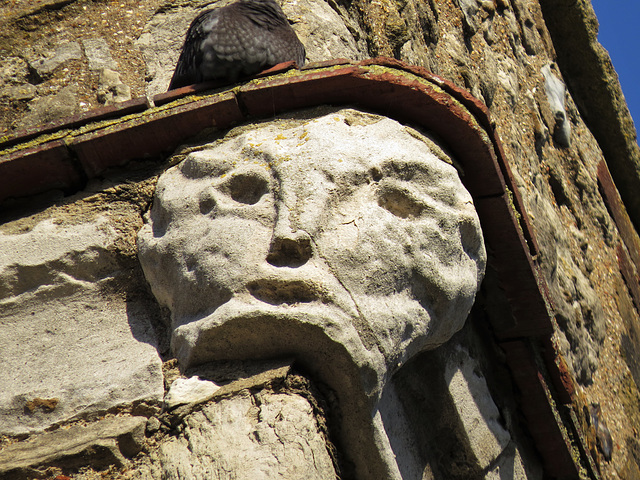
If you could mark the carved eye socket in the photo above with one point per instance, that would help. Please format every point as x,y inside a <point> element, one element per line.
<point>247,188</point>
<point>400,203</point>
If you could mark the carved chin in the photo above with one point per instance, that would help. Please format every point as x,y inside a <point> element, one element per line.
<point>321,337</point>
<point>372,331</point>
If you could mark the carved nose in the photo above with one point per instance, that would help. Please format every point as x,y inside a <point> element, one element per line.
<point>290,250</point>
<point>289,247</point>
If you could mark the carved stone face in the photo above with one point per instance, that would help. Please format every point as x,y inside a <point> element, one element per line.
<point>346,227</point>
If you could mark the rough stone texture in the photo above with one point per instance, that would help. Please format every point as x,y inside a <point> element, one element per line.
<point>111,89</point>
<point>191,390</point>
<point>14,70</point>
<point>509,466</point>
<point>223,379</point>
<point>299,253</point>
<point>457,419</point>
<point>262,436</point>
<point>161,43</point>
<point>502,63</point>
<point>498,55</point>
<point>98,54</point>
<point>52,107</point>
<point>595,86</point>
<point>34,31</point>
<point>106,442</point>
<point>65,52</point>
<point>476,409</point>
<point>19,92</point>
<point>555,94</point>
<point>325,32</point>
<point>69,347</point>
<point>82,354</point>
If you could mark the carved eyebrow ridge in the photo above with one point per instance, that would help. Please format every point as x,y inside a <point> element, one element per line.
<point>407,170</point>
<point>194,166</point>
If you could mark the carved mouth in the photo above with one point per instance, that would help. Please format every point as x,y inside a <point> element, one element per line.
<point>278,292</point>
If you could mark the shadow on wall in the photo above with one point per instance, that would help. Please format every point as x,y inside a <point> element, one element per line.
<point>457,430</point>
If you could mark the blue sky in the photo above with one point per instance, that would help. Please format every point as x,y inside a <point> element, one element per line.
<point>620,35</point>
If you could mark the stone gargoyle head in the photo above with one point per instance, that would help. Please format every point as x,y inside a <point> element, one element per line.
<point>346,241</point>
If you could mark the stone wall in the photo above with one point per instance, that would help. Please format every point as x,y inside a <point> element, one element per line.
<point>64,255</point>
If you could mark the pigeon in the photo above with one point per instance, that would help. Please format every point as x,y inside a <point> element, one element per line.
<point>238,40</point>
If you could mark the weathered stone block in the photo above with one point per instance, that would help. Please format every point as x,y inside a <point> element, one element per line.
<point>346,241</point>
<point>262,436</point>
<point>99,444</point>
<point>69,348</point>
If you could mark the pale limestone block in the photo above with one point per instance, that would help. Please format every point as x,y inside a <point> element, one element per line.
<point>189,390</point>
<point>68,348</point>
<point>510,465</point>
<point>478,413</point>
<point>269,435</point>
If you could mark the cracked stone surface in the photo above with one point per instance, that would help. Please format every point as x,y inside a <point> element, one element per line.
<point>262,436</point>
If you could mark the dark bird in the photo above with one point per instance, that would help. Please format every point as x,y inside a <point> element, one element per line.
<point>238,40</point>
